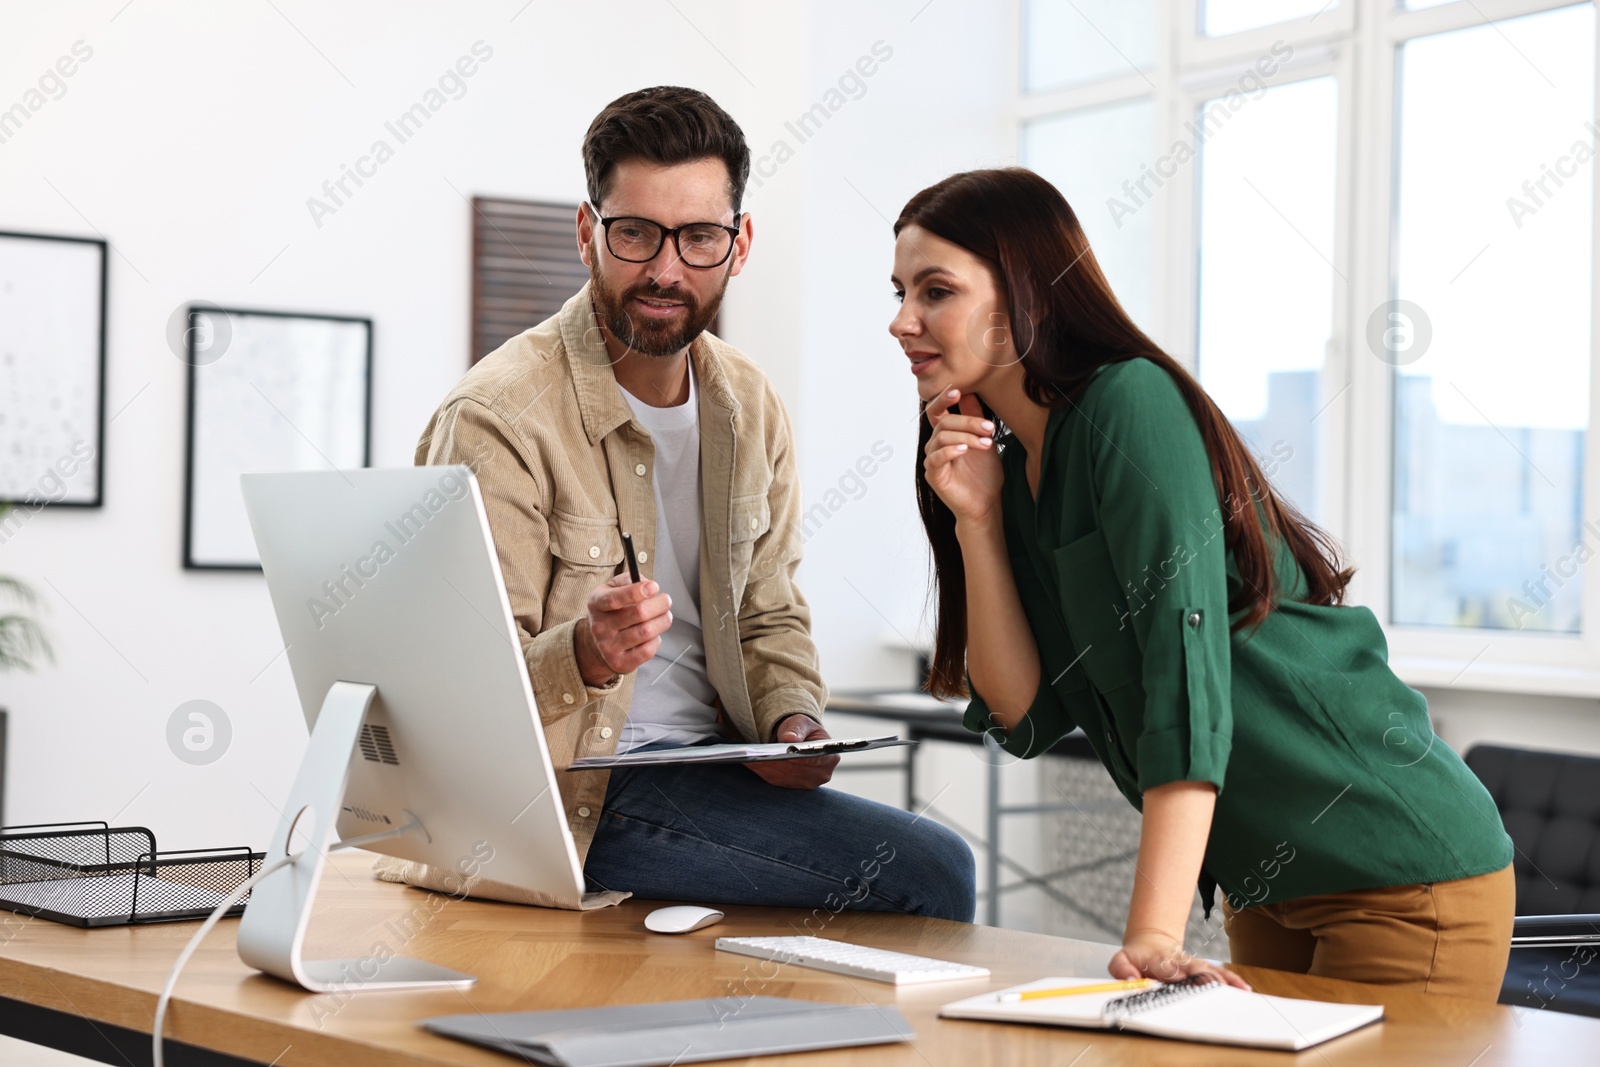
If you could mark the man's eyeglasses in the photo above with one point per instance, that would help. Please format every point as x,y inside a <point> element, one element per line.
<point>699,244</point>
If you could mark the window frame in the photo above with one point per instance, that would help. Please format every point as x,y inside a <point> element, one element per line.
<point>1196,50</point>
<point>1358,42</point>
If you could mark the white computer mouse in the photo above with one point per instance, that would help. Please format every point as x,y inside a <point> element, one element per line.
<point>681,919</point>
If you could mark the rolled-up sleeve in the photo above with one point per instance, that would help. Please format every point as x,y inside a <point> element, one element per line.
<point>1163,524</point>
<point>1045,723</point>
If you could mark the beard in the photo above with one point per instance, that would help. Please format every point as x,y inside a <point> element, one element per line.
<point>651,337</point>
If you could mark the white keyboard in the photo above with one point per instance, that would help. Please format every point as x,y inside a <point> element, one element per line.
<point>880,965</point>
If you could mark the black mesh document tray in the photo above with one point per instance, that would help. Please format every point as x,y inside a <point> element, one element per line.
<point>93,874</point>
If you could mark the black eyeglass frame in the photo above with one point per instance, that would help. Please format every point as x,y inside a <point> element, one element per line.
<point>733,232</point>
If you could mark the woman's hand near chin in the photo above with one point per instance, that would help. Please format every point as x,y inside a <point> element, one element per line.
<point>962,466</point>
<point>960,460</point>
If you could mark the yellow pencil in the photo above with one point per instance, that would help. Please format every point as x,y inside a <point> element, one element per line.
<point>1072,990</point>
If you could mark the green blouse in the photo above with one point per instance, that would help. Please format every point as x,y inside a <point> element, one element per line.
<point>1328,773</point>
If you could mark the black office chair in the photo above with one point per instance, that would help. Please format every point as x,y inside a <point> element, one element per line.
<point>1550,803</point>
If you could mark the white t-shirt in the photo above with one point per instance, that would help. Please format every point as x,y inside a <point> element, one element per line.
<point>673,700</point>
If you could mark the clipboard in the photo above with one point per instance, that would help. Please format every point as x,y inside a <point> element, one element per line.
<point>739,752</point>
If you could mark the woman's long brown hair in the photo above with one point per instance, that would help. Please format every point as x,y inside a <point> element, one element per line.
<point>1065,324</point>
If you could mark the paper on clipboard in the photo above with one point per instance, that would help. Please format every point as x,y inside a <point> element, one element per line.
<point>739,752</point>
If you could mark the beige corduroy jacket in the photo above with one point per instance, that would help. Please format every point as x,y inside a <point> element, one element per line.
<point>564,468</point>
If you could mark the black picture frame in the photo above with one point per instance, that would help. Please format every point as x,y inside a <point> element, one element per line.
<point>199,341</point>
<point>35,500</point>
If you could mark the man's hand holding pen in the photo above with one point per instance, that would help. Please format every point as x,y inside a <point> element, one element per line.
<point>622,630</point>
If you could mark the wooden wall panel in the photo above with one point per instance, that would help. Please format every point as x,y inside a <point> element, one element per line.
<point>525,265</point>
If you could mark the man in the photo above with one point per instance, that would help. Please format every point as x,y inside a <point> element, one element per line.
<point>622,414</point>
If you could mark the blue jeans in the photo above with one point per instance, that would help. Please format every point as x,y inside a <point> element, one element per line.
<point>720,834</point>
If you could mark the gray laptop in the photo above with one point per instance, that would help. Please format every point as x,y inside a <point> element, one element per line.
<point>680,1031</point>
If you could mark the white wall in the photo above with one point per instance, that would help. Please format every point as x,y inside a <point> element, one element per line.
<point>192,139</point>
<point>940,104</point>
<point>1464,718</point>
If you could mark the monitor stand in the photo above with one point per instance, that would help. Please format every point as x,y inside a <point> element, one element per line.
<point>274,923</point>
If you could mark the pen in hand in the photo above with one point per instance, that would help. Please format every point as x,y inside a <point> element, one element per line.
<point>633,560</point>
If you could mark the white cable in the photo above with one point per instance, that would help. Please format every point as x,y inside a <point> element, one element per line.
<point>409,825</point>
<point>194,942</point>
<point>238,894</point>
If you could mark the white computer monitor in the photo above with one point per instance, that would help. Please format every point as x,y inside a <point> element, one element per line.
<point>411,677</point>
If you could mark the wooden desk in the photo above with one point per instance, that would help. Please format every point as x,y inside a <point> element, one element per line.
<point>84,990</point>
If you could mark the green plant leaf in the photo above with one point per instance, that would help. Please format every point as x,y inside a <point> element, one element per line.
<point>23,644</point>
<point>19,591</point>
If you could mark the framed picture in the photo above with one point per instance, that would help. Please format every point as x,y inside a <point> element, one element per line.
<point>52,369</point>
<point>268,391</point>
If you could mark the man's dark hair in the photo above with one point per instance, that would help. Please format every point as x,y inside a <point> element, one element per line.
<point>666,125</point>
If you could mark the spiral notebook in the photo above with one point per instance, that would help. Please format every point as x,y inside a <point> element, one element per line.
<point>1187,1011</point>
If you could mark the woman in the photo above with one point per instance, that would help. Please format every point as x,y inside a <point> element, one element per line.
<point>1108,554</point>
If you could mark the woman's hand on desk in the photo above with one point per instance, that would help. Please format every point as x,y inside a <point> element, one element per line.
<point>798,773</point>
<point>961,462</point>
<point>1156,955</point>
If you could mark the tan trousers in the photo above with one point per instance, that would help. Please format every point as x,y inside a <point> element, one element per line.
<point>1439,937</point>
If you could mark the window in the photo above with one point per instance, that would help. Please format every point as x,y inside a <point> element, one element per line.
<point>1493,253</point>
<point>1219,18</point>
<point>1119,137</point>
<point>1376,251</point>
<point>1266,275</point>
<point>1068,42</point>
